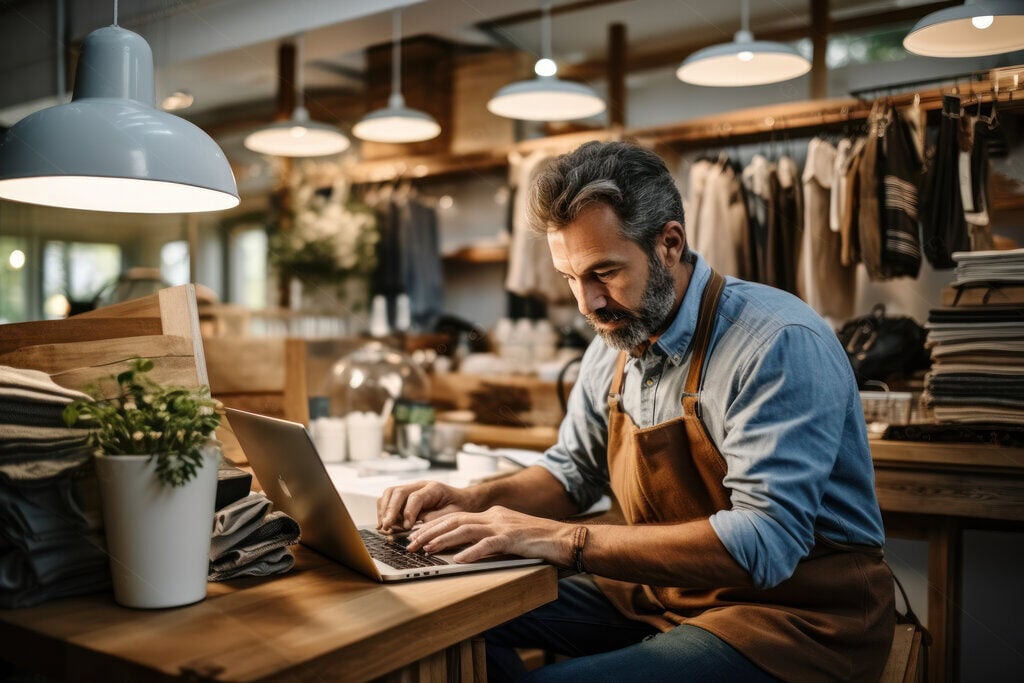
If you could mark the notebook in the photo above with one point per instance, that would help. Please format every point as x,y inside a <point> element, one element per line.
<point>285,461</point>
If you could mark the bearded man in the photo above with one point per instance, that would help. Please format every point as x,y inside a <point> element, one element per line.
<point>724,417</point>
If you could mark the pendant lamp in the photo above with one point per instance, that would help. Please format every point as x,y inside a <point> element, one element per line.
<point>396,122</point>
<point>974,29</point>
<point>547,97</point>
<point>744,61</point>
<point>110,149</point>
<point>298,136</point>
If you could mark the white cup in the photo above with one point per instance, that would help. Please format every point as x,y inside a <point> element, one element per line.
<point>329,436</point>
<point>365,436</point>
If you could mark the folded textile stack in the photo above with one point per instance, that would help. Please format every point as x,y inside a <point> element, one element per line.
<point>50,543</point>
<point>251,540</point>
<point>977,342</point>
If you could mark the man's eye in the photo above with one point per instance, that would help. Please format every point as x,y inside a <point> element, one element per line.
<point>604,274</point>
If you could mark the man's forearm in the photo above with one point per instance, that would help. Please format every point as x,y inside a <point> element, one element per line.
<point>533,490</point>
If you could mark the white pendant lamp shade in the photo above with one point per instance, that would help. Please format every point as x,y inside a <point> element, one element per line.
<point>298,136</point>
<point>110,149</point>
<point>743,62</point>
<point>396,123</point>
<point>974,29</point>
<point>547,97</point>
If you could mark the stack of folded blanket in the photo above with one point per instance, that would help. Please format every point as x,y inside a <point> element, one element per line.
<point>977,342</point>
<point>249,539</point>
<point>50,540</point>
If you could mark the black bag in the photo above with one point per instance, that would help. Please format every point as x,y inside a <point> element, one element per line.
<point>881,347</point>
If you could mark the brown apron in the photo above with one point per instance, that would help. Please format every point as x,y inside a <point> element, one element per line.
<point>833,619</point>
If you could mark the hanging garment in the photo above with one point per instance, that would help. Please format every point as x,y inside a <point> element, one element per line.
<point>869,196</point>
<point>785,227</point>
<point>943,229</point>
<point>387,277</point>
<point>422,270</point>
<point>979,132</point>
<point>837,198</point>
<point>698,177</point>
<point>901,166</point>
<point>721,233</point>
<point>831,620</point>
<point>530,271</point>
<point>823,281</point>
<point>849,219</point>
<point>757,186</point>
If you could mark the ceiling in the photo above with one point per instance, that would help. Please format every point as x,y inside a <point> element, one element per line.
<point>225,51</point>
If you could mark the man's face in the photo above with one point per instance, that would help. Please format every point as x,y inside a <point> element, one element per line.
<point>625,296</point>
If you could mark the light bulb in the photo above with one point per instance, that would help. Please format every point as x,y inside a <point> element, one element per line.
<point>17,259</point>
<point>982,22</point>
<point>298,132</point>
<point>545,67</point>
<point>745,56</point>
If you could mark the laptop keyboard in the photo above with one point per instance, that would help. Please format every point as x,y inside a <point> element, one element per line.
<point>393,554</point>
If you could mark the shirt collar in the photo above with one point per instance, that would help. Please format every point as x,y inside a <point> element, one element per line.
<point>675,341</point>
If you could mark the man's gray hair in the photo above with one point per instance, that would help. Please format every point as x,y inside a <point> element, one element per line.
<point>631,180</point>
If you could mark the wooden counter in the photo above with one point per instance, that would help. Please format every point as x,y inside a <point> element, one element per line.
<point>933,492</point>
<point>318,622</point>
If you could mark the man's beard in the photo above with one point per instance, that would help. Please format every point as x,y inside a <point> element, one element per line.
<point>656,303</point>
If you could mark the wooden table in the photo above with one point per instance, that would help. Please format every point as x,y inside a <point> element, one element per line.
<point>319,622</point>
<point>932,492</point>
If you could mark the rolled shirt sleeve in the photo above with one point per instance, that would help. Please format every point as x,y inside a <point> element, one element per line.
<point>783,429</point>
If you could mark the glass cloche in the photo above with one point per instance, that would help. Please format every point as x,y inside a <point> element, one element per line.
<point>372,379</point>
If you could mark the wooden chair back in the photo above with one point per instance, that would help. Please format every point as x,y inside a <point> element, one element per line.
<point>84,349</point>
<point>264,375</point>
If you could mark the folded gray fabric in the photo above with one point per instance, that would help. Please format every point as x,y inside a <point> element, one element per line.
<point>278,561</point>
<point>93,581</point>
<point>251,540</point>
<point>236,521</point>
<point>15,379</point>
<point>51,548</point>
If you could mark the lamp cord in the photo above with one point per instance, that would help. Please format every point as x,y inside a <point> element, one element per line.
<point>115,12</point>
<point>545,30</point>
<point>396,51</point>
<point>300,83</point>
<point>745,15</point>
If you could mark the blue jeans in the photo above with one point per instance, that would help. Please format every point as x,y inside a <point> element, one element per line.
<point>606,646</point>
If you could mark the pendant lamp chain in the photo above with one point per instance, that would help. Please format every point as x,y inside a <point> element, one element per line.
<point>545,30</point>
<point>396,51</point>
<point>300,81</point>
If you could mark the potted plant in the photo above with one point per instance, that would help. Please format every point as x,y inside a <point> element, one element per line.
<point>156,465</point>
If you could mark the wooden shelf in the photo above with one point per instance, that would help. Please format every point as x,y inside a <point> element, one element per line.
<point>726,127</point>
<point>478,253</point>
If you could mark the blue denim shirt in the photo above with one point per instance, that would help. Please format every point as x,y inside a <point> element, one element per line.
<point>781,404</point>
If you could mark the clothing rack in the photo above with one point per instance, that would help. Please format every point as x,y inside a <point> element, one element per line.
<point>760,122</point>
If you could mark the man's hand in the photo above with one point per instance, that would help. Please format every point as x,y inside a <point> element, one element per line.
<point>495,531</point>
<point>399,507</point>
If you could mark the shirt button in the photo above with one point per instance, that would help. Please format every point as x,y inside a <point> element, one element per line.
<point>650,382</point>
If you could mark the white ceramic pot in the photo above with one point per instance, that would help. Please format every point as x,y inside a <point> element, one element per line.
<point>158,536</point>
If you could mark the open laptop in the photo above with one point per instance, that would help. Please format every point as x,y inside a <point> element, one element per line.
<point>285,461</point>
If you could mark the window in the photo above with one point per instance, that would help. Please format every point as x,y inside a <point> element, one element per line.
<point>249,268</point>
<point>174,265</point>
<point>13,280</point>
<point>74,273</point>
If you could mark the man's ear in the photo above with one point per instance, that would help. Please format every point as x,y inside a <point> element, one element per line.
<point>672,243</point>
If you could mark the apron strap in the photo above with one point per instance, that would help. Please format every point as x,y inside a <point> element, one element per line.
<point>702,333</point>
<point>615,390</point>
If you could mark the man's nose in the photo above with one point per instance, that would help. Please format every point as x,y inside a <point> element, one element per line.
<point>590,297</point>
